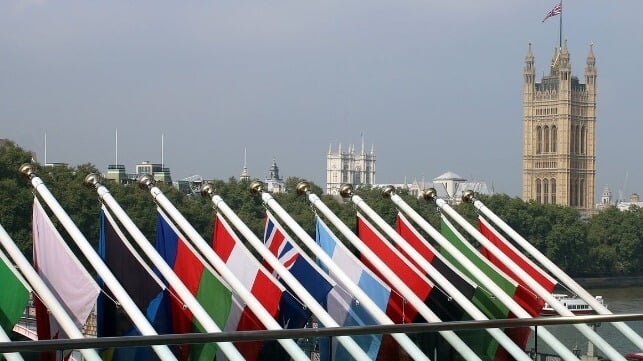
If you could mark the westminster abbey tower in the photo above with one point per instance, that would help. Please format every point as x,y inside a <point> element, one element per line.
<point>559,133</point>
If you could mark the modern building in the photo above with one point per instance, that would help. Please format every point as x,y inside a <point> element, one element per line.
<point>117,173</point>
<point>356,168</point>
<point>559,133</point>
<point>449,186</point>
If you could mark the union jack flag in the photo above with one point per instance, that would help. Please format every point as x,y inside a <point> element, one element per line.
<point>555,11</point>
<point>278,244</point>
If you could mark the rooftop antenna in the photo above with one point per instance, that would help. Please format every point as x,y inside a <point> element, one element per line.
<point>162,141</point>
<point>116,147</point>
<point>45,148</point>
<point>622,191</point>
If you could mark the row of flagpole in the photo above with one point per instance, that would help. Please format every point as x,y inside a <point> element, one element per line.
<point>343,279</point>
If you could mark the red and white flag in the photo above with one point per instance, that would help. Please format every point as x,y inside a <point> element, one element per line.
<point>555,11</point>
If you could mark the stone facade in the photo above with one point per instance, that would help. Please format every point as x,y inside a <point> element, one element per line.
<point>356,168</point>
<point>559,133</point>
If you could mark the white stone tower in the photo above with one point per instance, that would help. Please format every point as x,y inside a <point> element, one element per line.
<point>559,133</point>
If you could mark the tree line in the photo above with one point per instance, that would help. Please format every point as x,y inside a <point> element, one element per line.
<point>608,243</point>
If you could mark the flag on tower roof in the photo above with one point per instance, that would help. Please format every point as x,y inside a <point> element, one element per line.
<point>555,11</point>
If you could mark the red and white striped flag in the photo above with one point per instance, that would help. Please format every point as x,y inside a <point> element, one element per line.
<point>555,11</point>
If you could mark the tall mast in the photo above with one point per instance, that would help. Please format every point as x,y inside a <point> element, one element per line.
<point>560,26</point>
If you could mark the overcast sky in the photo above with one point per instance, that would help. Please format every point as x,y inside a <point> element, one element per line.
<point>436,86</point>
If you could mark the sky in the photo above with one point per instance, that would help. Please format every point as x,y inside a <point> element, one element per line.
<point>433,86</point>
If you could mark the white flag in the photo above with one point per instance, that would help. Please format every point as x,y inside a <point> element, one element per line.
<point>62,272</point>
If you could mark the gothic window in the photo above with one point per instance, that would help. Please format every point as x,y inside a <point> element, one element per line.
<point>552,185</point>
<point>583,140</point>
<point>577,143</point>
<point>538,191</point>
<point>581,192</point>
<point>545,191</point>
<point>554,139</point>
<point>546,138</point>
<point>539,140</point>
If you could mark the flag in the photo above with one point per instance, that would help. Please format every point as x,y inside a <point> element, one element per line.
<point>14,295</point>
<point>139,281</point>
<point>478,340</point>
<point>555,11</point>
<point>338,302</point>
<point>443,307</point>
<point>535,272</point>
<point>523,296</point>
<point>349,312</point>
<point>64,275</point>
<point>280,303</point>
<point>202,282</point>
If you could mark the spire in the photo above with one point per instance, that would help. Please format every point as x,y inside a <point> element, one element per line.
<point>244,173</point>
<point>330,148</point>
<point>362,152</point>
<point>530,69</point>
<point>591,59</point>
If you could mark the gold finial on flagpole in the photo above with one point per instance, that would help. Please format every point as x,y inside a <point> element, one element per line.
<point>303,188</point>
<point>256,187</point>
<point>388,191</point>
<point>92,180</point>
<point>346,190</point>
<point>28,170</point>
<point>430,194</point>
<point>146,181</point>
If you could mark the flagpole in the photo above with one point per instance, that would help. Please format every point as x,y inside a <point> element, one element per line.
<point>207,191</point>
<point>453,339</point>
<point>533,284</point>
<point>452,290</point>
<point>86,248</point>
<point>93,181</point>
<point>556,271</point>
<point>487,282</point>
<point>342,278</point>
<point>12,356</point>
<point>560,27</point>
<point>57,310</point>
<point>147,182</point>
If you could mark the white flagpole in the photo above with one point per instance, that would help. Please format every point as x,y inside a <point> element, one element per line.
<point>344,280</point>
<point>57,310</point>
<point>93,180</point>
<point>462,300</point>
<point>533,284</point>
<point>558,272</point>
<point>406,292</point>
<point>12,356</point>
<point>135,314</point>
<point>206,250</point>
<point>351,346</point>
<point>487,282</point>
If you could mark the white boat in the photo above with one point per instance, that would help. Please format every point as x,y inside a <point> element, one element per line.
<point>573,303</point>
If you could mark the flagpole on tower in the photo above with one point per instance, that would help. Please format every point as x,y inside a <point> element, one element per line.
<point>560,27</point>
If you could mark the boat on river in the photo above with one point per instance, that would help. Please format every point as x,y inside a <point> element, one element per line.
<point>573,303</point>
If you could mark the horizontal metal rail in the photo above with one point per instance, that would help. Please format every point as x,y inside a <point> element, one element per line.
<point>198,338</point>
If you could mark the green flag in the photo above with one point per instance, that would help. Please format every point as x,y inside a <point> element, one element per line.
<point>13,296</point>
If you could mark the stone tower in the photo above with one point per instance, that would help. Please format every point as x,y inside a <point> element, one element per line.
<point>559,133</point>
<point>349,167</point>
